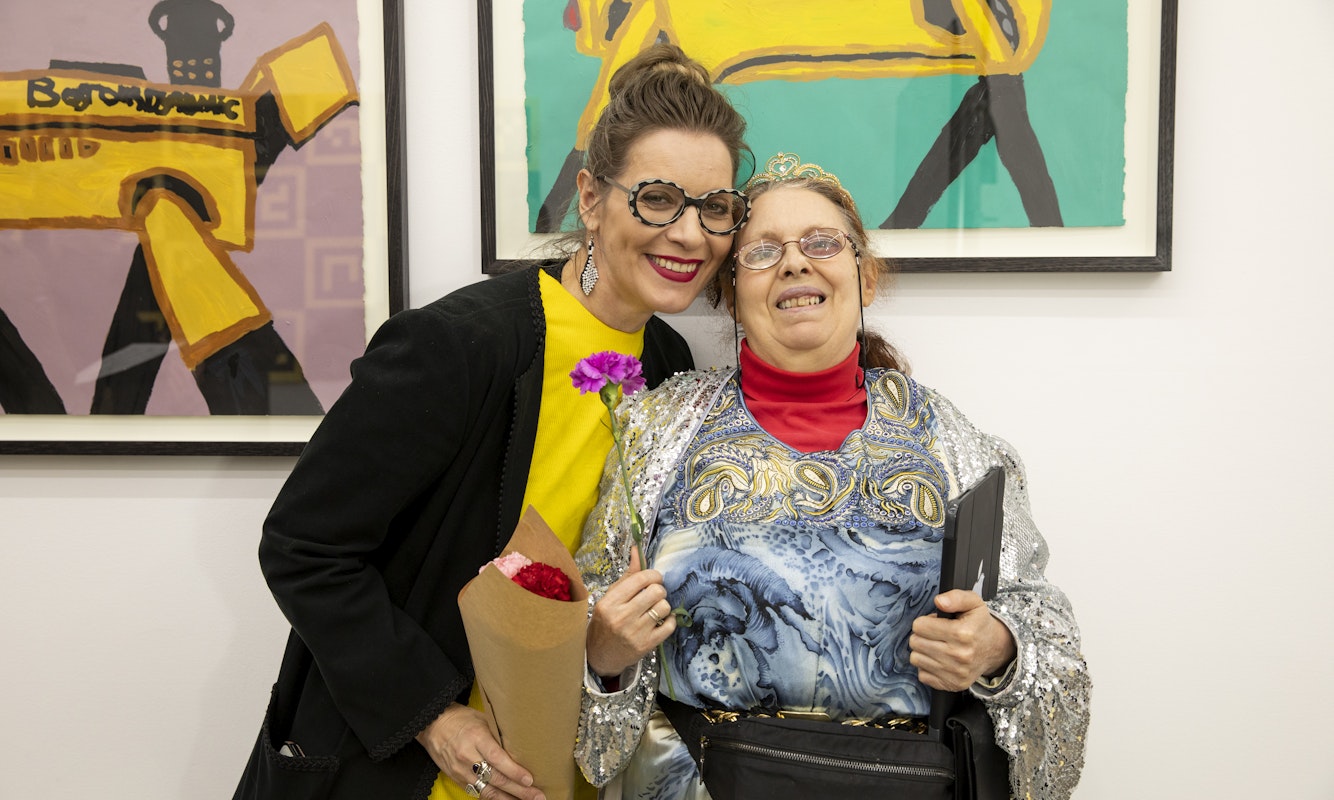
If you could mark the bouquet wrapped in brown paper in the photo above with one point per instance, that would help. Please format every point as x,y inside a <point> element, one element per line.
<point>528,653</point>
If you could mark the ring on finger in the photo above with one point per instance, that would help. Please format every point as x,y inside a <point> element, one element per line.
<point>657,620</point>
<point>475,788</point>
<point>482,769</point>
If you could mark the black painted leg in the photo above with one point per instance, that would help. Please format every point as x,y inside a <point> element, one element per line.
<point>257,375</point>
<point>1020,151</point>
<point>24,387</point>
<point>136,342</point>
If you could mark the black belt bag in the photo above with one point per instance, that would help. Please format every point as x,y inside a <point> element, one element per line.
<point>750,757</point>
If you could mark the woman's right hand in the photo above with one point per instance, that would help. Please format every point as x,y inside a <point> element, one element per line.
<point>459,738</point>
<point>621,630</point>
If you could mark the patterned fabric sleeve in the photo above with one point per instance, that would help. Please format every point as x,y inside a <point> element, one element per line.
<point>1041,712</point>
<point>658,426</point>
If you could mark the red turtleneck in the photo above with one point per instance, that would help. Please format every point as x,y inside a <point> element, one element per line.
<point>808,411</point>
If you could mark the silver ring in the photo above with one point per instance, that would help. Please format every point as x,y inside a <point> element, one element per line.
<point>657,620</point>
<point>482,769</point>
<point>475,788</point>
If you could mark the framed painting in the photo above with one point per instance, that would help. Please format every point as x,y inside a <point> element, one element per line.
<point>976,135</point>
<point>202,219</point>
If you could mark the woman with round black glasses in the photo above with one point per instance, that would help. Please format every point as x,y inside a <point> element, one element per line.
<point>459,416</point>
<point>659,202</point>
<point>795,508</point>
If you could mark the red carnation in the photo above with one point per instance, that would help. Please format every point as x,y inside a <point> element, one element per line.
<point>544,580</point>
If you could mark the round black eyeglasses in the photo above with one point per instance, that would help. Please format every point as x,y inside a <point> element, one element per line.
<point>820,243</point>
<point>659,203</point>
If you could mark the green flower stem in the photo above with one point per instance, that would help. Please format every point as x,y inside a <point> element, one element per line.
<point>609,397</point>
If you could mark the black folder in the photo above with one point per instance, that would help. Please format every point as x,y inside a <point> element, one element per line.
<point>971,555</point>
<point>970,558</point>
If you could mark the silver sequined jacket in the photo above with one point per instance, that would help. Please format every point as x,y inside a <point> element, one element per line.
<point>1040,712</point>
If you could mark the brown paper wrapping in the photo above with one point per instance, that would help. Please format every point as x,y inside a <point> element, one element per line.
<point>528,653</point>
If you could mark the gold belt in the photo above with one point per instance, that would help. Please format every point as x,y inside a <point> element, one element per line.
<point>907,724</point>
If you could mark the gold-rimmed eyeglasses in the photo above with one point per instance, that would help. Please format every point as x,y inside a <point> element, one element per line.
<point>820,243</point>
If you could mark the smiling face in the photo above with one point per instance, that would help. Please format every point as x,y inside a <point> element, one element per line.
<point>802,314</point>
<point>644,269</point>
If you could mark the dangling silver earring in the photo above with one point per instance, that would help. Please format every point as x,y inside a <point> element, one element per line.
<point>589,277</point>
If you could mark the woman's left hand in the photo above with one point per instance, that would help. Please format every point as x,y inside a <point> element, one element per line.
<point>951,654</point>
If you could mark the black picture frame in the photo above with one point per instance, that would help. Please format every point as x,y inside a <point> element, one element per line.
<point>1158,110</point>
<point>250,435</point>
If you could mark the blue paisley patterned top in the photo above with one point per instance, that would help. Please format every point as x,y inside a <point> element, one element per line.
<point>803,571</point>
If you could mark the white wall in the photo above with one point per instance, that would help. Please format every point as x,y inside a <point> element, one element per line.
<point>1176,427</point>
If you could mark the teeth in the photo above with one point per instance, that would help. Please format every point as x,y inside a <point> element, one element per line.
<point>797,302</point>
<point>673,266</point>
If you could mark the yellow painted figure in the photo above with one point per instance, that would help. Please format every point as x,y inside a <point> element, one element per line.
<point>177,164</point>
<point>742,41</point>
<point>797,40</point>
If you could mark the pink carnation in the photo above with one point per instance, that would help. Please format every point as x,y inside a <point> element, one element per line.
<point>509,564</point>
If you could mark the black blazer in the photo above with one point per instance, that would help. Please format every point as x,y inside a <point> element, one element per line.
<point>413,480</point>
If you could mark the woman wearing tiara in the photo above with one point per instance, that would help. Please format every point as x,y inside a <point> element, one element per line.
<point>794,508</point>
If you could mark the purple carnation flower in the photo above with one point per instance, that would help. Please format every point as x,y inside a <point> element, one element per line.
<point>608,367</point>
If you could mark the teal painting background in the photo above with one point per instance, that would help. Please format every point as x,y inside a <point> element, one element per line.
<point>873,133</point>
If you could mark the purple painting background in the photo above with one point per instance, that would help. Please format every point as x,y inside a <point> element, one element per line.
<point>60,287</point>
